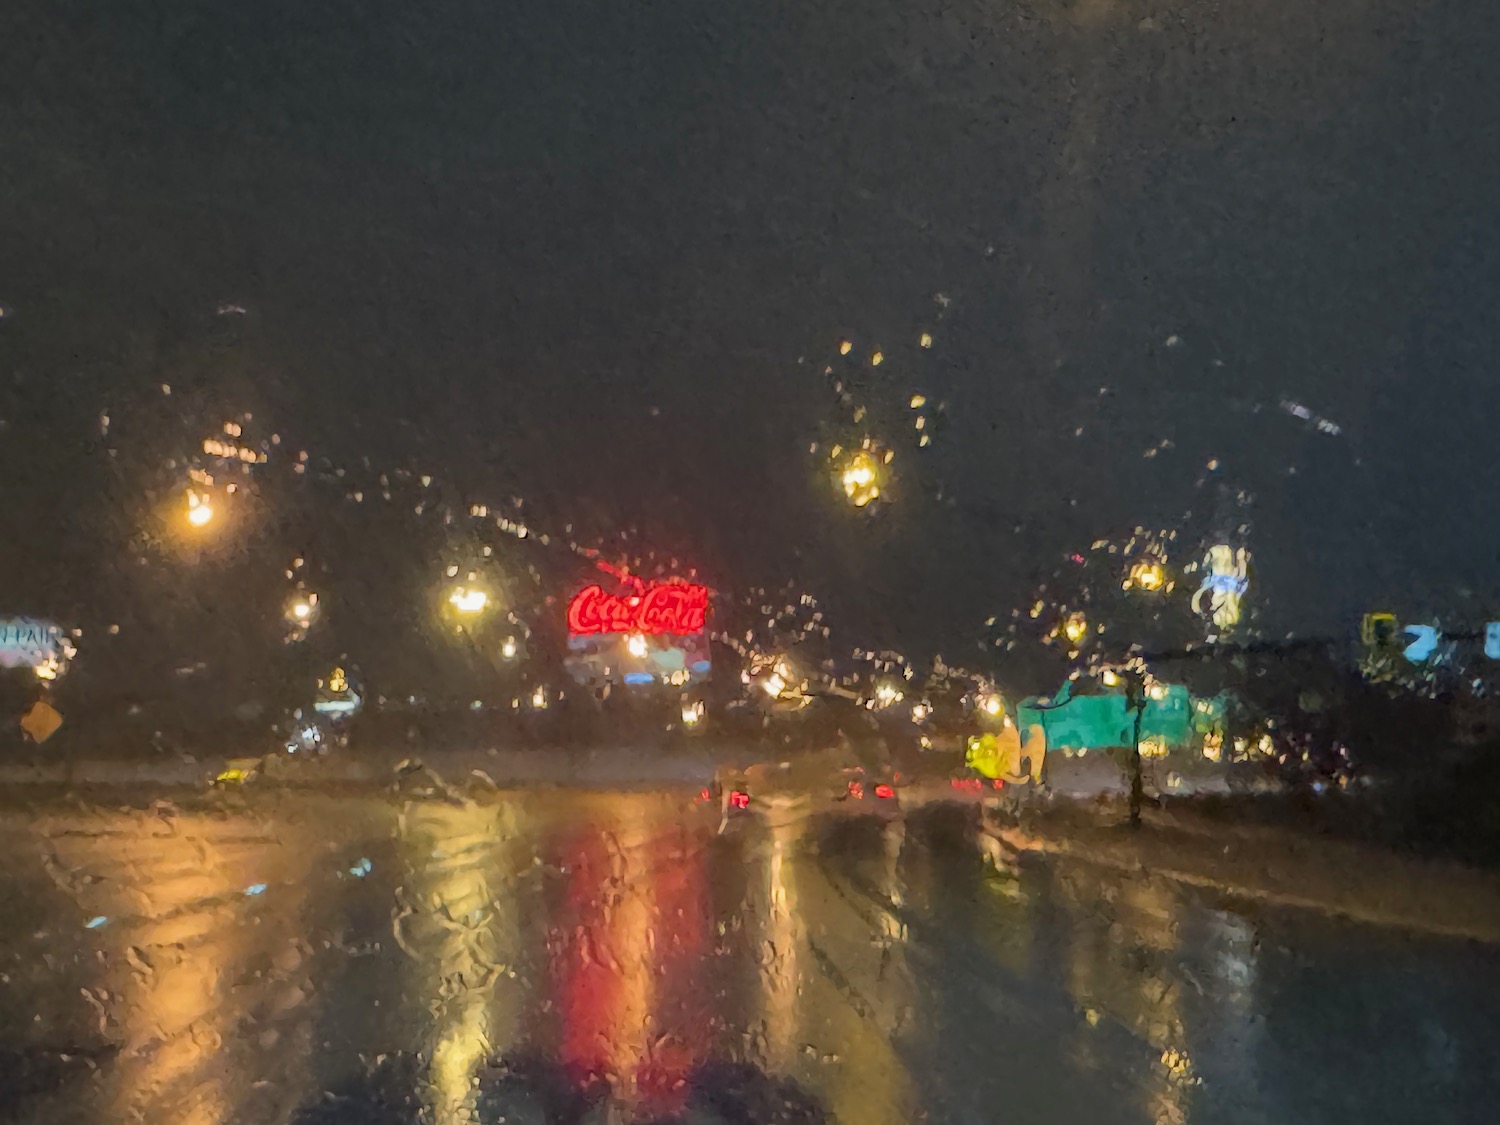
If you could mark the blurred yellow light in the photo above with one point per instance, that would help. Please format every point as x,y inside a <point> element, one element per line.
<point>302,611</point>
<point>1213,746</point>
<point>1147,574</point>
<point>1157,691</point>
<point>1075,628</point>
<point>773,685</point>
<point>636,645</point>
<point>991,705</point>
<point>539,698</point>
<point>508,648</point>
<point>886,694</point>
<point>692,714</point>
<point>844,347</point>
<point>1225,582</point>
<point>337,680</point>
<point>920,712</point>
<point>861,479</point>
<point>1110,679</point>
<point>468,600</point>
<point>200,511</point>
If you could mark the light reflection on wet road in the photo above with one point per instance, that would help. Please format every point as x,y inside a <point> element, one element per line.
<point>310,958</point>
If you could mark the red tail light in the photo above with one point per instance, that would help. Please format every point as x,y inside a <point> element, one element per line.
<point>739,800</point>
<point>884,791</point>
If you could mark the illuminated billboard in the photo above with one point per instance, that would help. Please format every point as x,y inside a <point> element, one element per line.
<point>639,635</point>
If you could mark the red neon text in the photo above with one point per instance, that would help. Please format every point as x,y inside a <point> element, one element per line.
<point>678,608</point>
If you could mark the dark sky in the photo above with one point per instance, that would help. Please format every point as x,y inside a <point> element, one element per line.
<point>576,251</point>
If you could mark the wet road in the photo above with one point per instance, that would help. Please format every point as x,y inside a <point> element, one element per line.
<point>270,958</point>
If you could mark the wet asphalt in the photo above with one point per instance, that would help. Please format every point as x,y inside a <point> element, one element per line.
<point>547,955</point>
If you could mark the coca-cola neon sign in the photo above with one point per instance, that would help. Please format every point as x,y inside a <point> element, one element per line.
<point>675,607</point>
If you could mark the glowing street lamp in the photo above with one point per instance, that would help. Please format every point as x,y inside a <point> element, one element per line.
<point>861,478</point>
<point>780,684</point>
<point>302,611</point>
<point>1075,628</point>
<point>200,512</point>
<point>468,600</point>
<point>1146,574</point>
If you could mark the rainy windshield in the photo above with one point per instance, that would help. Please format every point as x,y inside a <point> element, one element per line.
<point>683,563</point>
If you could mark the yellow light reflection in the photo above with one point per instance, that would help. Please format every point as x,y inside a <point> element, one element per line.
<point>460,927</point>
<point>191,941</point>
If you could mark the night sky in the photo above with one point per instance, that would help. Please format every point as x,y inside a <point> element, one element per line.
<point>598,255</point>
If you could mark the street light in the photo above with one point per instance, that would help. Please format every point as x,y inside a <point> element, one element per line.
<point>301,612</point>
<point>468,601</point>
<point>1146,574</point>
<point>862,476</point>
<point>200,511</point>
<point>1075,628</point>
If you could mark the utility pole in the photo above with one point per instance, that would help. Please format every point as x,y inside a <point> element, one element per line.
<point>1135,696</point>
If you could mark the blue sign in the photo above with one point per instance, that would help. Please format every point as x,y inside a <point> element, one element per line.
<point>1423,646</point>
<point>1492,640</point>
